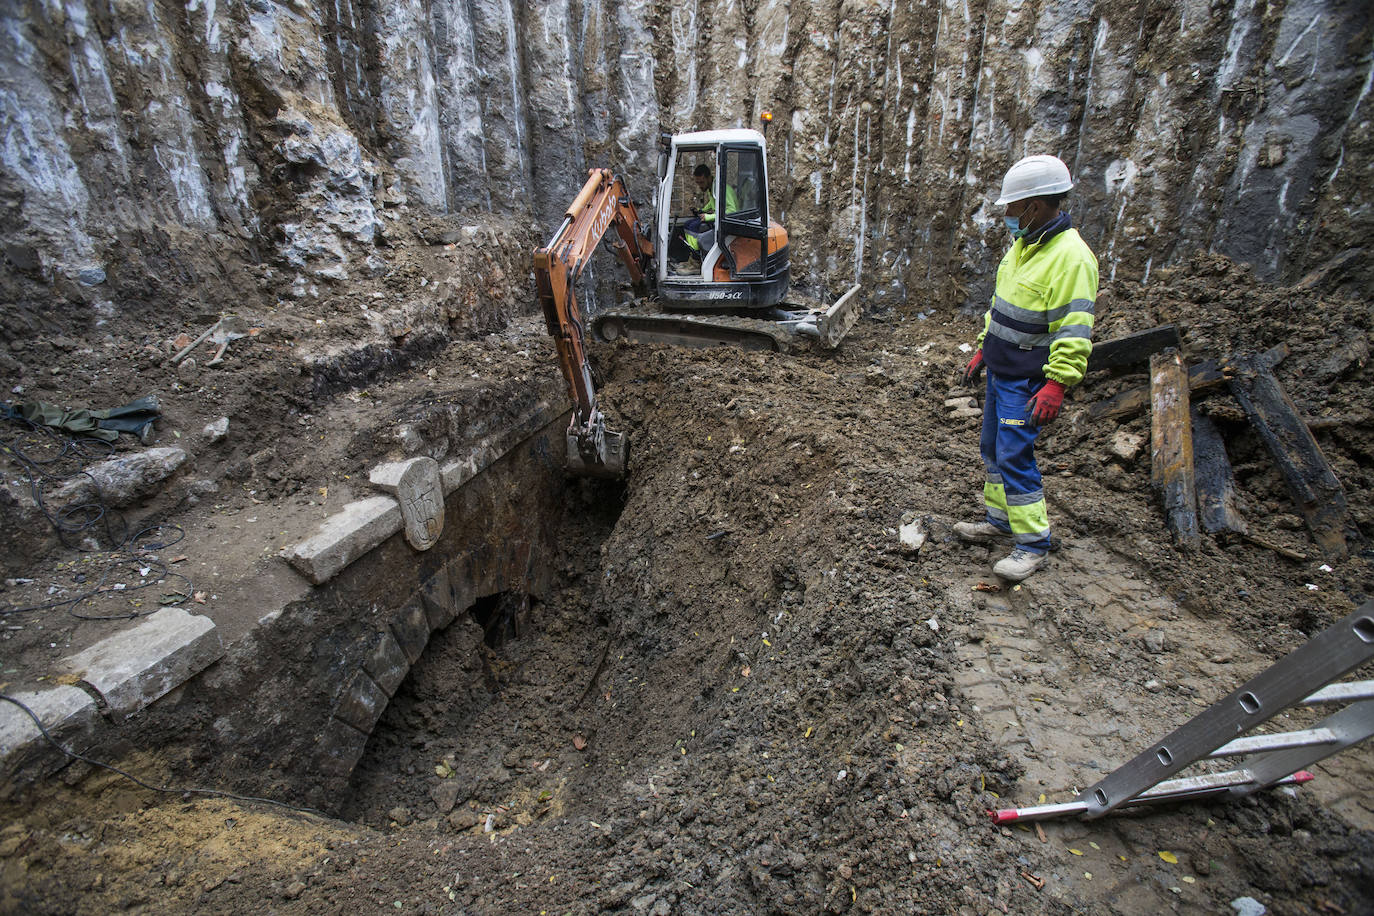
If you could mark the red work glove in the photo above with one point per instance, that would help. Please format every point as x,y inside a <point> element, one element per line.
<point>973,369</point>
<point>1044,405</point>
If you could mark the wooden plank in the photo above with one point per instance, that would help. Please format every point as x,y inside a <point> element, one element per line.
<point>1171,446</point>
<point>1216,482</point>
<point>1133,348</point>
<point>1314,487</point>
<point>1202,377</point>
<point>1132,401</point>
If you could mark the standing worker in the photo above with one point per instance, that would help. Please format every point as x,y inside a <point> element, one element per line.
<point>1036,339</point>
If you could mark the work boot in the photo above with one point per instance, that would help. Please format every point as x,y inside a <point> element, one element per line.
<point>1019,564</point>
<point>978,532</point>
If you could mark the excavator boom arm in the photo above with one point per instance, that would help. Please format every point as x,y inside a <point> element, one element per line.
<point>602,203</point>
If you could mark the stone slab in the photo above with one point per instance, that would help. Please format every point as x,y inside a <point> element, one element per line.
<point>68,713</point>
<point>387,664</point>
<point>436,594</point>
<point>134,668</point>
<point>341,745</point>
<point>411,628</point>
<point>363,703</point>
<point>345,536</point>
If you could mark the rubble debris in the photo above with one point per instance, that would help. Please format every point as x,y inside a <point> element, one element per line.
<point>1312,484</point>
<point>1126,445</point>
<point>913,533</point>
<point>1171,447</point>
<point>216,431</point>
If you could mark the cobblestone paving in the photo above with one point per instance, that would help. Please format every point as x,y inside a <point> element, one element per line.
<point>1072,709</point>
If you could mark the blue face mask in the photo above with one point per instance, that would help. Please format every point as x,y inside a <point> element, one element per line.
<point>1014,225</point>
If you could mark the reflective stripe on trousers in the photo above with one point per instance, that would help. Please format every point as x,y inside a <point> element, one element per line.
<point>1013,493</point>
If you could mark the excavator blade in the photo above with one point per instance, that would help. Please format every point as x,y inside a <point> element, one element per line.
<point>784,328</point>
<point>837,320</point>
<point>604,459</point>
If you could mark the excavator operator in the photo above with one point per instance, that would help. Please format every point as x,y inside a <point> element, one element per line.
<point>698,232</point>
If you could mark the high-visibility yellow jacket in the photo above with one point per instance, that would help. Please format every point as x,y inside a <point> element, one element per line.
<point>708,209</point>
<point>1040,323</point>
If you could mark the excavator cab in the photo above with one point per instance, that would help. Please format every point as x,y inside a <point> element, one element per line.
<point>721,250</point>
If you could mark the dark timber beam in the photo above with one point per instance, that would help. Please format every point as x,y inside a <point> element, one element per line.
<point>1216,482</point>
<point>1132,401</point>
<point>1202,377</point>
<point>1311,482</point>
<point>1171,446</point>
<point>1133,348</point>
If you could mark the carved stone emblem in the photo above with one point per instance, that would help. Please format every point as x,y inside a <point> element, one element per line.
<point>418,487</point>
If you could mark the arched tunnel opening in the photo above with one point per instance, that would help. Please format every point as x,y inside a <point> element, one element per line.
<point>465,724</point>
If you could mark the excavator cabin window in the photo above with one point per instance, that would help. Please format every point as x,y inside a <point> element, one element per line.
<point>744,176</point>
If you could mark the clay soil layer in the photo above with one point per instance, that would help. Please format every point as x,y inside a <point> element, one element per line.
<point>746,697</point>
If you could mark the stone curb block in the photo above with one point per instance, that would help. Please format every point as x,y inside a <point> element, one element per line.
<point>387,477</point>
<point>68,714</point>
<point>387,665</point>
<point>345,536</point>
<point>411,629</point>
<point>135,668</point>
<point>362,703</point>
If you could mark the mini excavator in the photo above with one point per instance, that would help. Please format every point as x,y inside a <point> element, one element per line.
<point>703,275</point>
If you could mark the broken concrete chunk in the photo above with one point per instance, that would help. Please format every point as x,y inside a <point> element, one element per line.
<point>217,430</point>
<point>961,402</point>
<point>1154,642</point>
<point>1126,445</point>
<point>912,533</point>
<point>345,536</point>
<point>133,669</point>
<point>966,412</point>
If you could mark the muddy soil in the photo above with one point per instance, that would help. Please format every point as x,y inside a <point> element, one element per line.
<point>334,377</point>
<point>747,697</point>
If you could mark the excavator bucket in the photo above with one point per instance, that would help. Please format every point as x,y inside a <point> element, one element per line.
<point>602,456</point>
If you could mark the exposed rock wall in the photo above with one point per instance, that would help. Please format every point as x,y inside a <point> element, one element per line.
<point>1240,126</point>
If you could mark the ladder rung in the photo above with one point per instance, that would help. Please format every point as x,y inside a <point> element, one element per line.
<point>1309,737</point>
<point>1342,693</point>
<point>1174,789</point>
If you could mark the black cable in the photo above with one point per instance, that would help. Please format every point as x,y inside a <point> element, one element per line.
<point>115,561</point>
<point>210,793</point>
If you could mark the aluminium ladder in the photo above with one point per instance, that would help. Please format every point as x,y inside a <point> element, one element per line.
<point>1220,731</point>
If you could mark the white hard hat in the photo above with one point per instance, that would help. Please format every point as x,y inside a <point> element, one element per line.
<point>1034,176</point>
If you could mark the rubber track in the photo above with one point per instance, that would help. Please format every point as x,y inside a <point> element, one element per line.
<point>781,339</point>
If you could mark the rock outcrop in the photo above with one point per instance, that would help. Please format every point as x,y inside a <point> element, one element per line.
<point>296,127</point>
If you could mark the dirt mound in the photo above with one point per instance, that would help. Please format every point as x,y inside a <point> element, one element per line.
<point>747,697</point>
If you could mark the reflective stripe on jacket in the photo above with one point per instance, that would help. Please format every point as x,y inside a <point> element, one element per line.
<point>1040,324</point>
